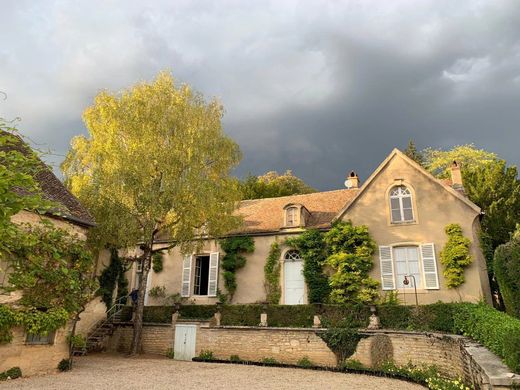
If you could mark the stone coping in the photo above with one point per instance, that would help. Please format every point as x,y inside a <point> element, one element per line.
<point>269,328</point>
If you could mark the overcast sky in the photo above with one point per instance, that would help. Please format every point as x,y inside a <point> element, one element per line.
<point>321,88</point>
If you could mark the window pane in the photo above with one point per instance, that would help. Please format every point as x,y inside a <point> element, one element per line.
<point>408,214</point>
<point>396,215</point>
<point>407,202</point>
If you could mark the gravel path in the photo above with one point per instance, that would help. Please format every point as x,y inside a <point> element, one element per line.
<point>117,372</point>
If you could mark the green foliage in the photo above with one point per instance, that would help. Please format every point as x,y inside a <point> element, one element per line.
<point>111,278</point>
<point>234,259</point>
<point>412,152</point>
<point>495,330</point>
<point>352,364</point>
<point>64,365</point>
<point>272,274</point>
<point>269,360</point>
<point>350,257</point>
<point>197,311</point>
<point>157,262</point>
<point>272,185</point>
<point>170,353</point>
<point>8,319</point>
<point>158,314</point>
<point>235,359</point>
<point>313,251</point>
<point>157,292</point>
<point>77,341</point>
<point>12,373</point>
<point>507,271</point>
<point>206,355</point>
<point>436,317</point>
<point>455,256</point>
<point>439,162</point>
<point>390,298</point>
<point>439,383</point>
<point>19,189</point>
<point>342,341</point>
<point>305,362</point>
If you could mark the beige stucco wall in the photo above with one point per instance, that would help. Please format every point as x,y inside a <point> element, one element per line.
<point>33,359</point>
<point>34,219</point>
<point>434,208</point>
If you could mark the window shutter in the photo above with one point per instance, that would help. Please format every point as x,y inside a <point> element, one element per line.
<point>213,274</point>
<point>387,268</point>
<point>186,276</point>
<point>431,279</point>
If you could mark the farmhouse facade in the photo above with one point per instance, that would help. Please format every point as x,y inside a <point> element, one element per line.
<point>405,209</point>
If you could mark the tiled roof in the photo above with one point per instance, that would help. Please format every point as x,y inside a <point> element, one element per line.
<point>53,189</point>
<point>266,215</point>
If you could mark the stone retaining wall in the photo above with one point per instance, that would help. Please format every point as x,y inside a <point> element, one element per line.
<point>454,356</point>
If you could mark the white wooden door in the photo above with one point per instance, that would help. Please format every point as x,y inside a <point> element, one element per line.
<point>184,344</point>
<point>294,284</point>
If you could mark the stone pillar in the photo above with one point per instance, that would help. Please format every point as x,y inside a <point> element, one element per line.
<point>316,322</point>
<point>175,316</point>
<point>217,317</point>
<point>373,322</point>
<point>263,319</point>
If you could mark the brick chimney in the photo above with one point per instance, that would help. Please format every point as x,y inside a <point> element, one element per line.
<point>456,177</point>
<point>352,180</point>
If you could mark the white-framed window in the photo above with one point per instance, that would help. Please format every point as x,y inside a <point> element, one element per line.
<point>399,261</point>
<point>205,278</point>
<point>292,255</point>
<point>291,214</point>
<point>39,339</point>
<point>401,208</point>
<point>406,260</point>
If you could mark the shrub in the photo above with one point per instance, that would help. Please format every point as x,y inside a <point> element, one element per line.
<point>206,355</point>
<point>242,315</point>
<point>197,311</point>
<point>495,330</point>
<point>12,373</point>
<point>455,256</point>
<point>77,341</point>
<point>157,262</point>
<point>170,353</point>
<point>158,314</point>
<point>352,364</point>
<point>235,358</point>
<point>439,383</point>
<point>157,292</point>
<point>269,360</point>
<point>305,362</point>
<point>342,341</point>
<point>64,365</point>
<point>506,265</point>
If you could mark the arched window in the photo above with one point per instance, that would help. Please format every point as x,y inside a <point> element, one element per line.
<point>401,204</point>
<point>291,214</point>
<point>292,255</point>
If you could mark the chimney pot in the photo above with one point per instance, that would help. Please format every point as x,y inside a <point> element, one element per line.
<point>352,180</point>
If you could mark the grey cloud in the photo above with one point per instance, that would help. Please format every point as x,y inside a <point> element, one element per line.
<point>317,87</point>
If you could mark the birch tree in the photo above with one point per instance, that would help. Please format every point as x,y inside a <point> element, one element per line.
<point>156,162</point>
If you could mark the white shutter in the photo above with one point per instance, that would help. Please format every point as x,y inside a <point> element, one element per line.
<point>431,279</point>
<point>186,276</point>
<point>213,274</point>
<point>387,268</point>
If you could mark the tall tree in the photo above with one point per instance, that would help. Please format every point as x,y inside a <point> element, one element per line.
<point>273,185</point>
<point>412,152</point>
<point>156,161</point>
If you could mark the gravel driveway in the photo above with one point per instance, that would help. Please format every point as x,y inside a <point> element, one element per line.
<point>103,371</point>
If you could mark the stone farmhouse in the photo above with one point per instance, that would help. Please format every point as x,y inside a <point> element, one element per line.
<point>32,352</point>
<point>405,208</point>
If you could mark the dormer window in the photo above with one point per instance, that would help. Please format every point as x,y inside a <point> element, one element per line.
<point>401,208</point>
<point>291,216</point>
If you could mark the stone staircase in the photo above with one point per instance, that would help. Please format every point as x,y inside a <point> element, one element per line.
<point>101,331</point>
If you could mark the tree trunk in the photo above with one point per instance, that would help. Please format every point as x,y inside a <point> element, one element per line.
<point>139,309</point>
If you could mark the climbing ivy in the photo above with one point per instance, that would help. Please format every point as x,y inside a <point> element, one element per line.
<point>272,274</point>
<point>455,256</point>
<point>234,259</point>
<point>350,258</point>
<point>313,252</point>
<point>111,278</point>
<point>157,262</point>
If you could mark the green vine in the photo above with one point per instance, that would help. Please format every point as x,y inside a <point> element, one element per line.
<point>350,257</point>
<point>234,259</point>
<point>272,274</point>
<point>313,251</point>
<point>111,278</point>
<point>157,262</point>
<point>455,256</point>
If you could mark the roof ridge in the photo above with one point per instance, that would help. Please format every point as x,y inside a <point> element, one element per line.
<point>301,195</point>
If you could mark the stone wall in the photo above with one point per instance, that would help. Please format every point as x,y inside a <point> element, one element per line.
<point>454,356</point>
<point>283,344</point>
<point>33,359</point>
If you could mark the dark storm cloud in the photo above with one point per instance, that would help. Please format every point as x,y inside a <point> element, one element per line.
<point>317,87</point>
